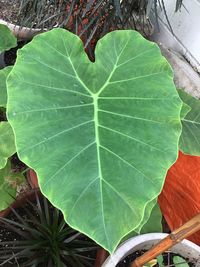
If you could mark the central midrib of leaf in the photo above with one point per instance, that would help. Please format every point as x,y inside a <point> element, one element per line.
<point>95,97</point>
<point>96,122</point>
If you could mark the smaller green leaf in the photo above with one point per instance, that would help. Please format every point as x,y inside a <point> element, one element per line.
<point>8,185</point>
<point>7,143</point>
<point>160,260</point>
<point>190,137</point>
<point>154,222</point>
<point>147,214</point>
<point>3,88</point>
<point>7,39</point>
<point>178,261</point>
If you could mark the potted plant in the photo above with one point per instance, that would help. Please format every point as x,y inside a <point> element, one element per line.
<point>33,17</point>
<point>87,18</point>
<point>182,254</point>
<point>33,159</point>
<point>148,60</point>
<point>159,249</point>
<point>78,74</point>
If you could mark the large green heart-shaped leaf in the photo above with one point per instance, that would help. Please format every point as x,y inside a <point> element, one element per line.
<point>9,181</point>
<point>7,143</point>
<point>101,135</point>
<point>3,88</point>
<point>7,39</point>
<point>190,136</point>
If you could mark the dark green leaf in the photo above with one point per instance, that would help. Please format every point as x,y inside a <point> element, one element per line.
<point>154,223</point>
<point>7,143</point>
<point>7,39</point>
<point>180,262</point>
<point>190,136</point>
<point>3,89</point>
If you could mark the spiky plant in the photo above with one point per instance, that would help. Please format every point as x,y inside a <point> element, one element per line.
<point>91,19</point>
<point>41,238</point>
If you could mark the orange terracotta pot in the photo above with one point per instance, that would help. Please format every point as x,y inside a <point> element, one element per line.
<point>32,179</point>
<point>180,198</point>
<point>102,255</point>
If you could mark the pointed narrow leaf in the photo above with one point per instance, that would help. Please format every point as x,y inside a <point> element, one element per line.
<point>3,90</point>
<point>118,8</point>
<point>190,136</point>
<point>101,135</point>
<point>7,143</point>
<point>7,39</point>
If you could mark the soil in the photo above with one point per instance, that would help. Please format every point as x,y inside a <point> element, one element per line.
<point>167,259</point>
<point>9,10</point>
<point>2,114</point>
<point>12,12</point>
<point>17,165</point>
<point>11,55</point>
<point>6,235</point>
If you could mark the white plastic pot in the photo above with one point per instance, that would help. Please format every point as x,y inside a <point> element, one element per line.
<point>22,33</point>
<point>185,249</point>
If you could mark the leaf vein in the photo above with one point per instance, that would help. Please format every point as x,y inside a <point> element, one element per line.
<point>68,162</point>
<point>54,108</point>
<point>193,122</point>
<point>57,134</point>
<point>192,134</point>
<point>130,137</point>
<point>81,195</point>
<point>128,163</point>
<point>134,98</point>
<point>118,193</point>
<point>50,67</point>
<point>128,116</point>
<point>57,88</point>
<point>137,77</point>
<point>75,72</point>
<point>133,58</point>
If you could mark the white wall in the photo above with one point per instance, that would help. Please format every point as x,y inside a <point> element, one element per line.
<point>186,27</point>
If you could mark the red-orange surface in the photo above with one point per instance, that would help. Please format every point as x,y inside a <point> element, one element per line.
<point>180,198</point>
